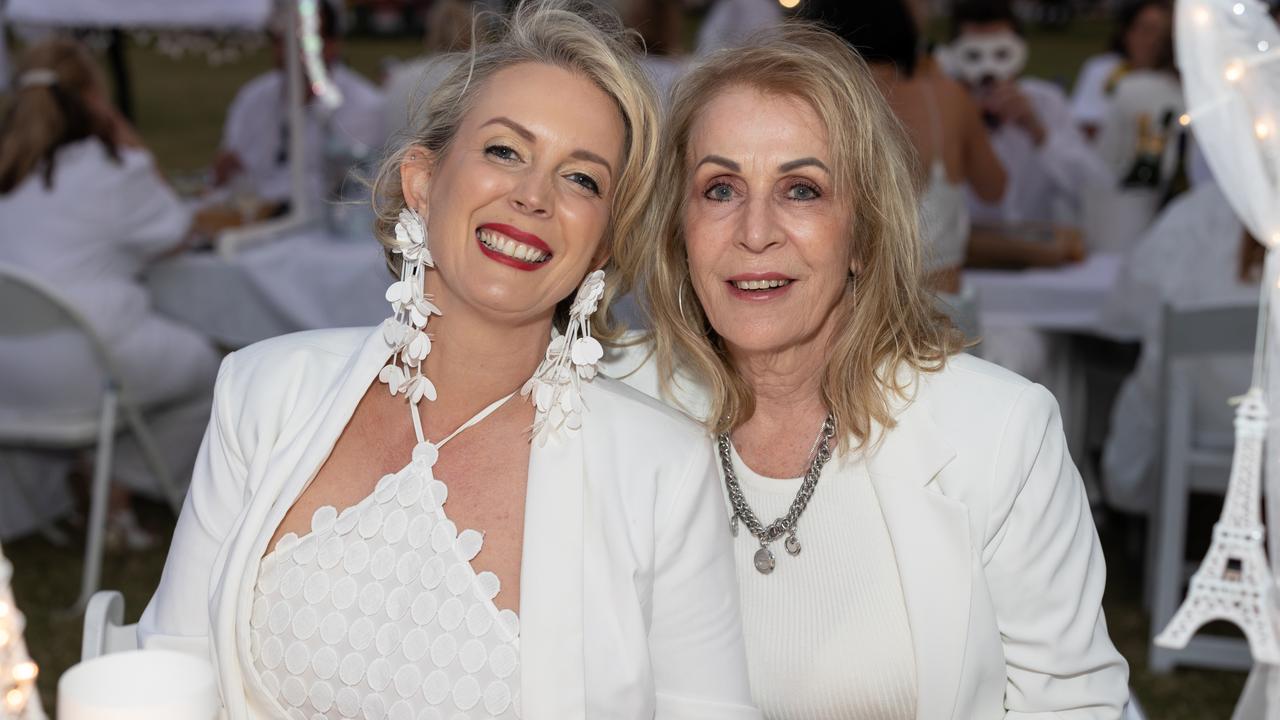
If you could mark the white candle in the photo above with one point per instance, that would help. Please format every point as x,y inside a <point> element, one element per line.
<point>139,685</point>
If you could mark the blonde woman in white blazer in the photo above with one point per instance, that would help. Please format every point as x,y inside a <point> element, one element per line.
<point>930,554</point>
<point>328,571</point>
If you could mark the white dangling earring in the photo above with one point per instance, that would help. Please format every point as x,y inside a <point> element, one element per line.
<point>570,359</point>
<point>405,331</point>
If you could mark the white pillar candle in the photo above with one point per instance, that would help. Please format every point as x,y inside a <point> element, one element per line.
<point>139,685</point>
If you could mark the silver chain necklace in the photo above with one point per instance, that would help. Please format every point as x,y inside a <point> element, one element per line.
<point>785,525</point>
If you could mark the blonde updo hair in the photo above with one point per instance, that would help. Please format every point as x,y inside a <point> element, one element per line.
<point>887,321</point>
<point>575,36</point>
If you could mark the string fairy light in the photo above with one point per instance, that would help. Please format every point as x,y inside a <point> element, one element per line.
<point>17,672</point>
<point>322,85</point>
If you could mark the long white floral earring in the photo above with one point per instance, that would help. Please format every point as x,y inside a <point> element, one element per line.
<point>571,358</point>
<point>406,330</point>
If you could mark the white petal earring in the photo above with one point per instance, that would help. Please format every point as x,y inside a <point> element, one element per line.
<point>405,331</point>
<point>571,358</point>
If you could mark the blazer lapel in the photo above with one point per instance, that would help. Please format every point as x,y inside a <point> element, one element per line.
<point>281,482</point>
<point>930,535</point>
<point>552,664</point>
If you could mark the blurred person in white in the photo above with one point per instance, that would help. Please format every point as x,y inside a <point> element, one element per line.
<point>1038,221</point>
<point>255,136</point>
<point>409,84</point>
<point>1143,40</point>
<point>729,22</point>
<point>1048,160</point>
<point>84,208</point>
<point>1197,254</point>
<point>559,547</point>
<point>944,126</point>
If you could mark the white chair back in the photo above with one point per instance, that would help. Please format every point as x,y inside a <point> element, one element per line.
<point>32,307</point>
<point>104,628</point>
<point>1190,462</point>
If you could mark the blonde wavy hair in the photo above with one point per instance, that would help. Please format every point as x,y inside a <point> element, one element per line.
<point>888,321</point>
<point>575,36</point>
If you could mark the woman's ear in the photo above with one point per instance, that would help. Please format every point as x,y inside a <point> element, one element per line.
<point>415,177</point>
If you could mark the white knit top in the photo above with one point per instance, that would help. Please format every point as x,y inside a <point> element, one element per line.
<point>826,632</point>
<point>377,612</point>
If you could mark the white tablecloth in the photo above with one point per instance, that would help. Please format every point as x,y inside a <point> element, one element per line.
<point>1064,299</point>
<point>305,282</point>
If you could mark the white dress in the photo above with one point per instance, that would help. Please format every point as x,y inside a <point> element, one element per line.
<point>378,613</point>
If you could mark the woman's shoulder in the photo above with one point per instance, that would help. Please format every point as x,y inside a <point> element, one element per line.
<point>979,403</point>
<point>640,416</point>
<point>311,357</point>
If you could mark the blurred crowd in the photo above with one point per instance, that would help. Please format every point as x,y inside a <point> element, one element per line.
<point>1016,172</point>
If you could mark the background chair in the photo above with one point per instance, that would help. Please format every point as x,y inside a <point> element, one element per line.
<point>31,308</point>
<point>104,628</point>
<point>1192,461</point>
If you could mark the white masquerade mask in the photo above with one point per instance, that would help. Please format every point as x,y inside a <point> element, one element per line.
<point>981,59</point>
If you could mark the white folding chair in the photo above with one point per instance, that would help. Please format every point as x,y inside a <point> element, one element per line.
<point>104,628</point>
<point>1191,461</point>
<point>32,309</point>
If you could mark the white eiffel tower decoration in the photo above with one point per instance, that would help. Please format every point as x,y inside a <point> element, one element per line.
<point>1234,580</point>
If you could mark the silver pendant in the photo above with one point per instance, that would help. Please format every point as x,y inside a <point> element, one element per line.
<point>764,561</point>
<point>792,545</point>
<point>733,525</point>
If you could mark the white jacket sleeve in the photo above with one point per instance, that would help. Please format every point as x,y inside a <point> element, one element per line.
<point>178,615</point>
<point>695,640</point>
<point>1046,573</point>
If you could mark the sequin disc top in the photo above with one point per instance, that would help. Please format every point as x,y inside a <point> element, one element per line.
<point>377,613</point>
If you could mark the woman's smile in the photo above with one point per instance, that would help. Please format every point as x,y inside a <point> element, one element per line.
<point>512,246</point>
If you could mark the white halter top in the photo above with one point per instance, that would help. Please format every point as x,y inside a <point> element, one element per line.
<point>944,206</point>
<point>377,612</point>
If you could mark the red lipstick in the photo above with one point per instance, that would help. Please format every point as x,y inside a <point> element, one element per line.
<point>519,236</point>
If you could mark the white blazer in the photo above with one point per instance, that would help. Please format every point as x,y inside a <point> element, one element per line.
<point>1001,570</point>
<point>628,603</point>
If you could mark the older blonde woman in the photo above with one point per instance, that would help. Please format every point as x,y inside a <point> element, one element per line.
<point>912,539</point>
<point>346,553</point>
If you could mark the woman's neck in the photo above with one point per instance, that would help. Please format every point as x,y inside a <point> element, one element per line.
<point>789,410</point>
<point>474,361</point>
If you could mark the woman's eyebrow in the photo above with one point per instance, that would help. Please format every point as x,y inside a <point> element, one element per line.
<point>719,160</point>
<point>803,162</point>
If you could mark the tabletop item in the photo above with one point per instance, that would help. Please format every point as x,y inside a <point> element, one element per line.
<point>139,685</point>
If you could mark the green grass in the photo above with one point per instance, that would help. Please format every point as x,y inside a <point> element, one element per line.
<point>180,106</point>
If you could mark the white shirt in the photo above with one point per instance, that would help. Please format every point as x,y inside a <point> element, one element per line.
<point>827,632</point>
<point>256,130</point>
<point>1046,182</point>
<point>1189,258</point>
<point>94,231</point>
